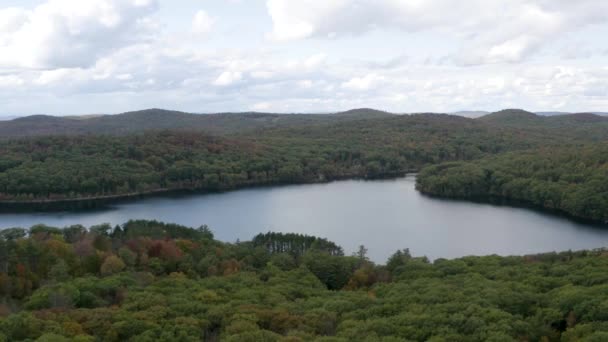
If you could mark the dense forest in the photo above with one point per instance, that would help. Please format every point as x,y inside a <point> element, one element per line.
<point>150,281</point>
<point>307,148</point>
<point>153,281</point>
<point>60,167</point>
<point>573,180</point>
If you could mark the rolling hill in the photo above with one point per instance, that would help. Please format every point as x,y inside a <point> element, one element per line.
<point>524,119</point>
<point>160,119</point>
<point>512,117</point>
<point>247,122</point>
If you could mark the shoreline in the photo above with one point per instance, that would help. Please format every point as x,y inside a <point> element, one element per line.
<point>516,203</point>
<point>89,202</point>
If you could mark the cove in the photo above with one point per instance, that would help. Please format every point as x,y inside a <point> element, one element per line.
<point>383,215</point>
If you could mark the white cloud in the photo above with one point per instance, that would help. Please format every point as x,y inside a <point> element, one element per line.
<point>363,83</point>
<point>124,77</point>
<point>64,77</point>
<point>262,74</point>
<point>227,78</point>
<point>315,60</point>
<point>493,31</point>
<point>10,81</point>
<point>305,84</point>
<point>261,106</point>
<point>11,19</point>
<point>202,22</point>
<point>435,55</point>
<point>65,33</point>
<point>288,25</point>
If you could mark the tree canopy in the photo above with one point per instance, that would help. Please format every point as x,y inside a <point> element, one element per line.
<point>573,180</point>
<point>103,284</point>
<point>80,167</point>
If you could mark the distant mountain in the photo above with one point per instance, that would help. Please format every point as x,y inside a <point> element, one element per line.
<point>566,113</point>
<point>471,113</point>
<point>159,119</point>
<point>235,123</point>
<point>577,118</point>
<point>363,113</point>
<point>589,125</point>
<point>512,117</point>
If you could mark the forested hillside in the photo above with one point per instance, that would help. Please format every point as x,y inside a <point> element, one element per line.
<point>256,149</point>
<point>573,180</point>
<point>159,119</point>
<point>150,281</point>
<point>252,122</point>
<point>581,126</point>
<point>73,167</point>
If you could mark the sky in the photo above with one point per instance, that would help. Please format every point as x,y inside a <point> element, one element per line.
<point>65,57</point>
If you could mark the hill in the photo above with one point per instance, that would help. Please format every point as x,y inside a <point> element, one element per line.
<point>248,122</point>
<point>42,169</point>
<point>160,119</point>
<point>565,113</point>
<point>512,117</point>
<point>583,126</point>
<point>157,150</point>
<point>578,118</point>
<point>364,113</point>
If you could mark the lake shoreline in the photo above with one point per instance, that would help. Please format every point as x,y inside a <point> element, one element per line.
<point>94,202</point>
<point>350,212</point>
<point>515,203</point>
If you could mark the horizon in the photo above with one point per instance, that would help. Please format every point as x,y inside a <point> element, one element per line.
<point>462,113</point>
<point>110,56</point>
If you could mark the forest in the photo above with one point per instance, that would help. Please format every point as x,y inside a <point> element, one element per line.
<point>306,148</point>
<point>155,281</point>
<point>152,281</point>
<point>572,180</point>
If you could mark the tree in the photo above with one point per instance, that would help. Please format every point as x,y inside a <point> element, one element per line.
<point>206,232</point>
<point>398,259</point>
<point>127,256</point>
<point>11,234</point>
<point>361,253</point>
<point>74,233</point>
<point>101,229</point>
<point>111,265</point>
<point>59,271</point>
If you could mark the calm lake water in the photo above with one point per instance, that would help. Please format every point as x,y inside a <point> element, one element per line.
<point>383,215</point>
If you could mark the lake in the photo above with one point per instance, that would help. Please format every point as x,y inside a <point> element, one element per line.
<point>383,215</point>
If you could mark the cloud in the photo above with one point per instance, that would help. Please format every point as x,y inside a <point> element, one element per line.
<point>66,34</point>
<point>260,106</point>
<point>227,78</point>
<point>315,60</point>
<point>501,31</point>
<point>363,83</point>
<point>202,23</point>
<point>10,81</point>
<point>435,55</point>
<point>305,84</point>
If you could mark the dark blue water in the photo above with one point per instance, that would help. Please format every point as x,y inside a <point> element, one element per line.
<point>383,215</point>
